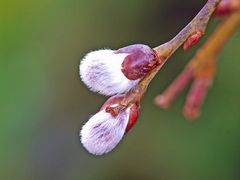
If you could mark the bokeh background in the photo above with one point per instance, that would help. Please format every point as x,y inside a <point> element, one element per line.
<point>43,103</point>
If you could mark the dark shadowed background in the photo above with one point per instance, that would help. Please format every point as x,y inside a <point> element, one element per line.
<point>43,103</point>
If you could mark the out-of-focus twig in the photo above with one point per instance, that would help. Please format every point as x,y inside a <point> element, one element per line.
<point>201,69</point>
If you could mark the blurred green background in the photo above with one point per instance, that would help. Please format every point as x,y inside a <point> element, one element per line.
<point>44,103</point>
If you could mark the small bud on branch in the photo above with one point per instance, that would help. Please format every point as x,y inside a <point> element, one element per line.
<point>192,40</point>
<point>227,7</point>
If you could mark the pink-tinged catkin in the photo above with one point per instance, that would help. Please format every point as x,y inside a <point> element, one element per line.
<point>165,99</point>
<point>195,97</point>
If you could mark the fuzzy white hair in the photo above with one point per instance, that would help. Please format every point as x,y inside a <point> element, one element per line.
<point>101,71</point>
<point>103,132</point>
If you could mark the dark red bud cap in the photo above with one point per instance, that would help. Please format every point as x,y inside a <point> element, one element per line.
<point>141,59</point>
<point>134,112</point>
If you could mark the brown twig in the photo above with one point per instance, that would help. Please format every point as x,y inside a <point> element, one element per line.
<point>163,52</point>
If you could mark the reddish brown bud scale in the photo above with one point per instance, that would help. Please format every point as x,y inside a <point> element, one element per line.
<point>112,110</point>
<point>112,100</point>
<point>134,113</point>
<point>141,59</point>
<point>192,40</point>
<point>114,107</point>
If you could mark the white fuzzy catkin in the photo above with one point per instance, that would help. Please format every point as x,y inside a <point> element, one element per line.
<point>103,132</point>
<point>101,71</point>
